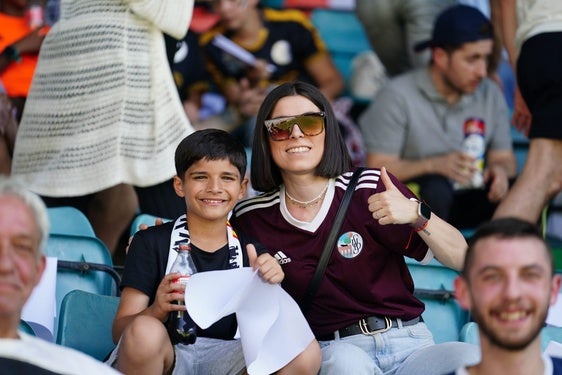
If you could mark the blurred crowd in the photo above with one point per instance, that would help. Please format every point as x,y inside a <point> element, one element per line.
<point>223,56</point>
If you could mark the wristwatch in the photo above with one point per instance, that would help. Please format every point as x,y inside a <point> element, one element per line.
<point>12,53</point>
<point>424,214</point>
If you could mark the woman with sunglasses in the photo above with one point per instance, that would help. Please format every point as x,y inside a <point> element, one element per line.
<point>364,314</point>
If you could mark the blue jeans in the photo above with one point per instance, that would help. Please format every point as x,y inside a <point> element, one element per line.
<point>379,354</point>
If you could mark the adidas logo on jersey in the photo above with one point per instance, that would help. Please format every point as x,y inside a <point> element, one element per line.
<point>282,258</point>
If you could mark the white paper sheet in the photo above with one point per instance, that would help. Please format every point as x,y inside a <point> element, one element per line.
<point>238,52</point>
<point>40,307</point>
<point>272,328</point>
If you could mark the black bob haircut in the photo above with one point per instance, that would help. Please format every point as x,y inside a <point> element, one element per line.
<point>265,174</point>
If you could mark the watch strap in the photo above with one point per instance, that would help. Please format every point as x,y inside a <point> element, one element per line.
<point>421,221</point>
<point>12,53</point>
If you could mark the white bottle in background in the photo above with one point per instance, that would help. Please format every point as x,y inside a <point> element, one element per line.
<point>474,144</point>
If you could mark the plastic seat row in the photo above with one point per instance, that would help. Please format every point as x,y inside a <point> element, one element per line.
<point>86,317</point>
<point>434,287</point>
<point>83,261</point>
<point>85,322</point>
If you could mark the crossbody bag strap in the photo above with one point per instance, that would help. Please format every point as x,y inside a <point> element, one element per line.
<point>330,242</point>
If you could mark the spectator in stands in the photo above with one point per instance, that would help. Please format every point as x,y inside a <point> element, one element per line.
<point>414,126</point>
<point>532,33</point>
<point>285,45</point>
<point>190,75</point>
<point>394,27</point>
<point>8,130</point>
<point>20,44</point>
<point>508,283</point>
<point>210,179</point>
<point>103,113</point>
<point>202,103</point>
<point>24,228</point>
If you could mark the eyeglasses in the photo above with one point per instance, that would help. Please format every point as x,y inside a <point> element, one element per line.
<point>280,128</point>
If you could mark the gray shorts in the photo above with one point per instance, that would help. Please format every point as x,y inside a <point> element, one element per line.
<point>206,356</point>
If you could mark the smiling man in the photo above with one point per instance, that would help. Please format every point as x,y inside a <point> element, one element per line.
<point>24,229</point>
<point>416,125</point>
<point>508,283</point>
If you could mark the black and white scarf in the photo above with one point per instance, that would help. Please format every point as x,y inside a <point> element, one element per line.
<point>180,234</point>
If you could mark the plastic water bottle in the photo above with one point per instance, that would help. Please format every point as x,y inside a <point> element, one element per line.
<point>474,144</point>
<point>181,327</point>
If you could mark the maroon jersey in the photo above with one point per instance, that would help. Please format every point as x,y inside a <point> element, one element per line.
<point>366,274</point>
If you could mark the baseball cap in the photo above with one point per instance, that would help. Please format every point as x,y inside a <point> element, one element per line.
<point>456,25</point>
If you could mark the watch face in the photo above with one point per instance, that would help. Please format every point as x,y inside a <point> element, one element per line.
<point>425,210</point>
<point>12,53</point>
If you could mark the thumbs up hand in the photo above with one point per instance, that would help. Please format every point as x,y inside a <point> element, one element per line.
<point>391,206</point>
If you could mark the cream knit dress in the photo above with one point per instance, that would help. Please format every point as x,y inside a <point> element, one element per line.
<point>103,108</point>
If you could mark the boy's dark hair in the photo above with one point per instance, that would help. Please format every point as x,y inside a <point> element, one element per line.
<point>210,144</point>
<point>505,228</point>
<point>265,174</point>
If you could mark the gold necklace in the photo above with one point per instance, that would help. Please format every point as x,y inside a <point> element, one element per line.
<point>313,201</point>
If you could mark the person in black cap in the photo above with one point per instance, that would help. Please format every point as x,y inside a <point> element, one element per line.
<point>417,124</point>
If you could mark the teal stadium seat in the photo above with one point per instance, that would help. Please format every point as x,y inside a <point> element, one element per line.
<point>434,275</point>
<point>69,220</point>
<point>85,323</point>
<point>434,285</point>
<point>344,37</point>
<point>469,334</point>
<point>551,333</point>
<point>83,263</point>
